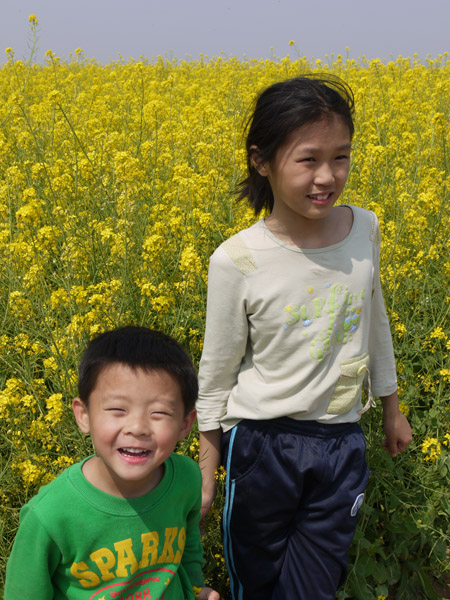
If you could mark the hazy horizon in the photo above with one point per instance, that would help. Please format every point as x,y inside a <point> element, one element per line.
<point>108,29</point>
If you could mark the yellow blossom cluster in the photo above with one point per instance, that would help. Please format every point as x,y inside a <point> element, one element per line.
<point>431,447</point>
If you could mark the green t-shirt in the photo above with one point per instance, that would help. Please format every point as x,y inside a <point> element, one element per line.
<point>76,542</point>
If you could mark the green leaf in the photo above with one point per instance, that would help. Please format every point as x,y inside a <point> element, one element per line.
<point>402,586</point>
<point>379,573</point>
<point>427,585</point>
<point>382,590</point>
<point>360,589</point>
<point>369,566</point>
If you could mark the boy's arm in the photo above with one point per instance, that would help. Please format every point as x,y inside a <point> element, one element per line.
<point>396,427</point>
<point>193,552</point>
<point>32,562</point>
<point>192,559</point>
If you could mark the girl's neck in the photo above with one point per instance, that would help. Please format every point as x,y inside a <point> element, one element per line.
<point>313,233</point>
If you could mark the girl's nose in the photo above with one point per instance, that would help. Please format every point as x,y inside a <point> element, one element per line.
<point>324,174</point>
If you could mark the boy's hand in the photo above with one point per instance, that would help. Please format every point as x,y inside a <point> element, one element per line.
<point>398,433</point>
<point>206,593</point>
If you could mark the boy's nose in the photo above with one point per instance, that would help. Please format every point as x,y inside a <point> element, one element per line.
<point>137,427</point>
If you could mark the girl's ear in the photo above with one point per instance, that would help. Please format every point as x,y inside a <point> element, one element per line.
<point>188,421</point>
<point>257,162</point>
<point>81,415</point>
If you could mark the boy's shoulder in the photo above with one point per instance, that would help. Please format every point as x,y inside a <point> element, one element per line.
<point>181,486</point>
<point>185,467</point>
<point>56,493</point>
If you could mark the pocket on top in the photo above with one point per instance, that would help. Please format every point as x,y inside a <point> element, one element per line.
<point>349,385</point>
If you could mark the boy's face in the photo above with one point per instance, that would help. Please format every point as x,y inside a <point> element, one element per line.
<point>135,419</point>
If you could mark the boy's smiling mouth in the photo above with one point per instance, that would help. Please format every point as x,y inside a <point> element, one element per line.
<point>134,452</point>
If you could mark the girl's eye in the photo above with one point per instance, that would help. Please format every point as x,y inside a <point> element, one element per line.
<point>309,159</point>
<point>116,410</point>
<point>342,157</point>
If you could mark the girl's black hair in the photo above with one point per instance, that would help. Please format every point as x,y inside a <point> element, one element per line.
<point>138,348</point>
<point>281,109</point>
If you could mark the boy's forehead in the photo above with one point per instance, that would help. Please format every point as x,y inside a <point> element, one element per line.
<point>124,374</point>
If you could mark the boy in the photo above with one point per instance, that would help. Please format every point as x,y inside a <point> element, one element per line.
<point>123,523</point>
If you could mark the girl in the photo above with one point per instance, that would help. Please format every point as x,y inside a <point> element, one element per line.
<point>295,326</point>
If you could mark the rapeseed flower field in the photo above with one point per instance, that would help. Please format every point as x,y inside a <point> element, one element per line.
<point>116,184</point>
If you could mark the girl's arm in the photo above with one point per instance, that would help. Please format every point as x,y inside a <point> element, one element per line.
<point>225,341</point>
<point>209,461</point>
<point>396,427</point>
<point>226,336</point>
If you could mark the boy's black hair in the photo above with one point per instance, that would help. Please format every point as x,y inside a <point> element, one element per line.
<point>138,348</point>
<point>281,109</point>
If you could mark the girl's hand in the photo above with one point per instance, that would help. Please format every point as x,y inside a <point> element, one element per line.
<point>209,461</point>
<point>398,434</point>
<point>206,593</point>
<point>396,427</point>
<point>209,491</point>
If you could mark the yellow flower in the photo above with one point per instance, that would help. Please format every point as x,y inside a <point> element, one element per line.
<point>190,262</point>
<point>220,474</point>
<point>400,328</point>
<point>445,374</point>
<point>29,471</point>
<point>431,447</point>
<point>33,19</point>
<point>404,408</point>
<point>438,333</point>
<point>55,96</point>
<point>54,408</point>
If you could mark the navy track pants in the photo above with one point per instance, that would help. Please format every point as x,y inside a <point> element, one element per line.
<point>293,491</point>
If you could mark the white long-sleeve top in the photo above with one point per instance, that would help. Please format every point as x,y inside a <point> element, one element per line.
<point>294,332</point>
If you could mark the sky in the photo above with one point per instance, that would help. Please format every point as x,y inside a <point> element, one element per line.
<point>109,29</point>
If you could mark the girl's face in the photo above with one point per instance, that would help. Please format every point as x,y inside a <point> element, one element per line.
<point>309,171</point>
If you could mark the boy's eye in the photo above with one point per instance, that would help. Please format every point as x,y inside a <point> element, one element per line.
<point>160,413</point>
